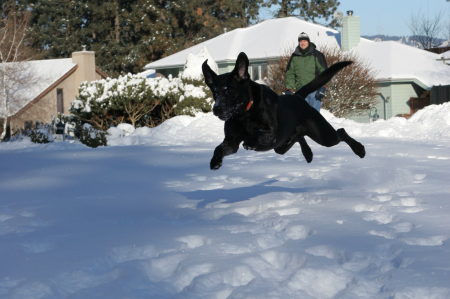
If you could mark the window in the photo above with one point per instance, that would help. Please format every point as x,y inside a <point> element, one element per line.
<point>59,100</point>
<point>255,72</point>
<point>258,71</point>
<point>264,72</point>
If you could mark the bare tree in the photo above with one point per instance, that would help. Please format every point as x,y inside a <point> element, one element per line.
<point>351,91</point>
<point>354,89</point>
<point>15,72</point>
<point>425,29</point>
<point>276,73</point>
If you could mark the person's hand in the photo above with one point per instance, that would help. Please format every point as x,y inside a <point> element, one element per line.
<point>321,92</point>
<point>288,92</point>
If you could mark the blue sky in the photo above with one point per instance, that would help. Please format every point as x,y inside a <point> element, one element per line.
<point>389,17</point>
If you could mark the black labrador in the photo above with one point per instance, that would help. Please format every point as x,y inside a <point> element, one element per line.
<point>262,120</point>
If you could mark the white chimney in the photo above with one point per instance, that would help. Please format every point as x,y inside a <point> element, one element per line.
<point>350,31</point>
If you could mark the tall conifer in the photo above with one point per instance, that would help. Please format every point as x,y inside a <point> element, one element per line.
<point>127,34</point>
<point>308,10</point>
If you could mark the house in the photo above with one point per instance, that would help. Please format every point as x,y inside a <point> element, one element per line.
<point>260,42</point>
<point>54,86</point>
<point>404,72</point>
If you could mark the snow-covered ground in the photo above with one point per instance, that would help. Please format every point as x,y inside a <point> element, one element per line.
<point>145,217</point>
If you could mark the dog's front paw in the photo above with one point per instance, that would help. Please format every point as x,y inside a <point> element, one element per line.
<point>216,163</point>
<point>308,157</point>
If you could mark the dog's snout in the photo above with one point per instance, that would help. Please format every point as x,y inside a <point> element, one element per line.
<point>217,110</point>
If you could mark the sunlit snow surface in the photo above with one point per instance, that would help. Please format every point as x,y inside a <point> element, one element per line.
<point>145,217</point>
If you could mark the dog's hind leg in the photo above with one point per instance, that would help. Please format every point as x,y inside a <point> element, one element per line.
<point>356,147</point>
<point>306,150</point>
<point>319,130</point>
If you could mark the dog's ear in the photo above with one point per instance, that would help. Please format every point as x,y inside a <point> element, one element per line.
<point>241,67</point>
<point>208,73</point>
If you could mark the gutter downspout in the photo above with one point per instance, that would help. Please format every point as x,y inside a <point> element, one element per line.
<point>385,100</point>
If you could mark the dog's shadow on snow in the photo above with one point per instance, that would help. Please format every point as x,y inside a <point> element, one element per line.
<point>240,194</point>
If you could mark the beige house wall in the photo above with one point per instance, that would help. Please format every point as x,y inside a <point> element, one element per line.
<point>42,109</point>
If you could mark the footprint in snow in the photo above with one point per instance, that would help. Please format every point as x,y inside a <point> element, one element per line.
<point>382,198</point>
<point>419,178</point>
<point>430,241</point>
<point>39,247</point>
<point>398,228</point>
<point>297,232</point>
<point>193,241</point>
<point>412,205</point>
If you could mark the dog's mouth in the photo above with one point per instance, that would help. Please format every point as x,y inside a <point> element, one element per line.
<point>221,112</point>
<point>223,117</point>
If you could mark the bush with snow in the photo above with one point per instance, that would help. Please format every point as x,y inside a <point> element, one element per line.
<point>92,137</point>
<point>140,101</point>
<point>127,98</point>
<point>40,136</point>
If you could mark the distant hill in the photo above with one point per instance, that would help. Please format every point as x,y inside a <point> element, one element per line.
<point>401,39</point>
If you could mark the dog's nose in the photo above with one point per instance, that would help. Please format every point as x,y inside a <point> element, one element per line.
<point>217,110</point>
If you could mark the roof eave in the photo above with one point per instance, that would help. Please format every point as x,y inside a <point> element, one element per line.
<point>223,61</point>
<point>405,80</point>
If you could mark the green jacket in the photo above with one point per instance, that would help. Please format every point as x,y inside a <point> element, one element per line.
<point>303,68</point>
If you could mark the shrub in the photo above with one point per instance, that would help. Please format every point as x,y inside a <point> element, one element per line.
<point>92,137</point>
<point>354,89</point>
<point>40,136</point>
<point>93,105</point>
<point>139,101</point>
<point>195,97</point>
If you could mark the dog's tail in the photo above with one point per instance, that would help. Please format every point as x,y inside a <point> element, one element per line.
<point>322,79</point>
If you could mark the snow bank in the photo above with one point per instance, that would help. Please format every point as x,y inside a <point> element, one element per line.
<point>179,130</point>
<point>430,123</point>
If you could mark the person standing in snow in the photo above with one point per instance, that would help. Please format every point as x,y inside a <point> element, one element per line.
<point>305,64</point>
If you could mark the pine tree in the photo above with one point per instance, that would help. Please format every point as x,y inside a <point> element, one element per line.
<point>58,26</point>
<point>308,10</point>
<point>128,34</point>
<point>319,9</point>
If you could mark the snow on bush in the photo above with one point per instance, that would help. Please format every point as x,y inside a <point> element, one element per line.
<point>41,136</point>
<point>129,98</point>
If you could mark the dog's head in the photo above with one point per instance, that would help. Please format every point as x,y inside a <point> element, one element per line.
<point>231,91</point>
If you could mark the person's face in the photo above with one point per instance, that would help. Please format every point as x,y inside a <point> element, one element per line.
<point>303,44</point>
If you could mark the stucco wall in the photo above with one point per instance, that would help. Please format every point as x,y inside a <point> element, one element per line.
<point>44,108</point>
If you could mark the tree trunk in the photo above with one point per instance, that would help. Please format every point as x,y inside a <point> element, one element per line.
<point>5,120</point>
<point>116,22</point>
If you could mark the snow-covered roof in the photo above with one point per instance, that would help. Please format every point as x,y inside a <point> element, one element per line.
<point>393,60</point>
<point>42,73</point>
<point>399,62</point>
<point>444,44</point>
<point>148,74</point>
<point>445,55</point>
<point>260,41</point>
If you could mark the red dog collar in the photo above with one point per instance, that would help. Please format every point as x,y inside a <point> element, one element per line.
<point>249,102</point>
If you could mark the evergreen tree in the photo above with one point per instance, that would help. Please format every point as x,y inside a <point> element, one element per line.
<point>58,26</point>
<point>308,10</point>
<point>128,34</point>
